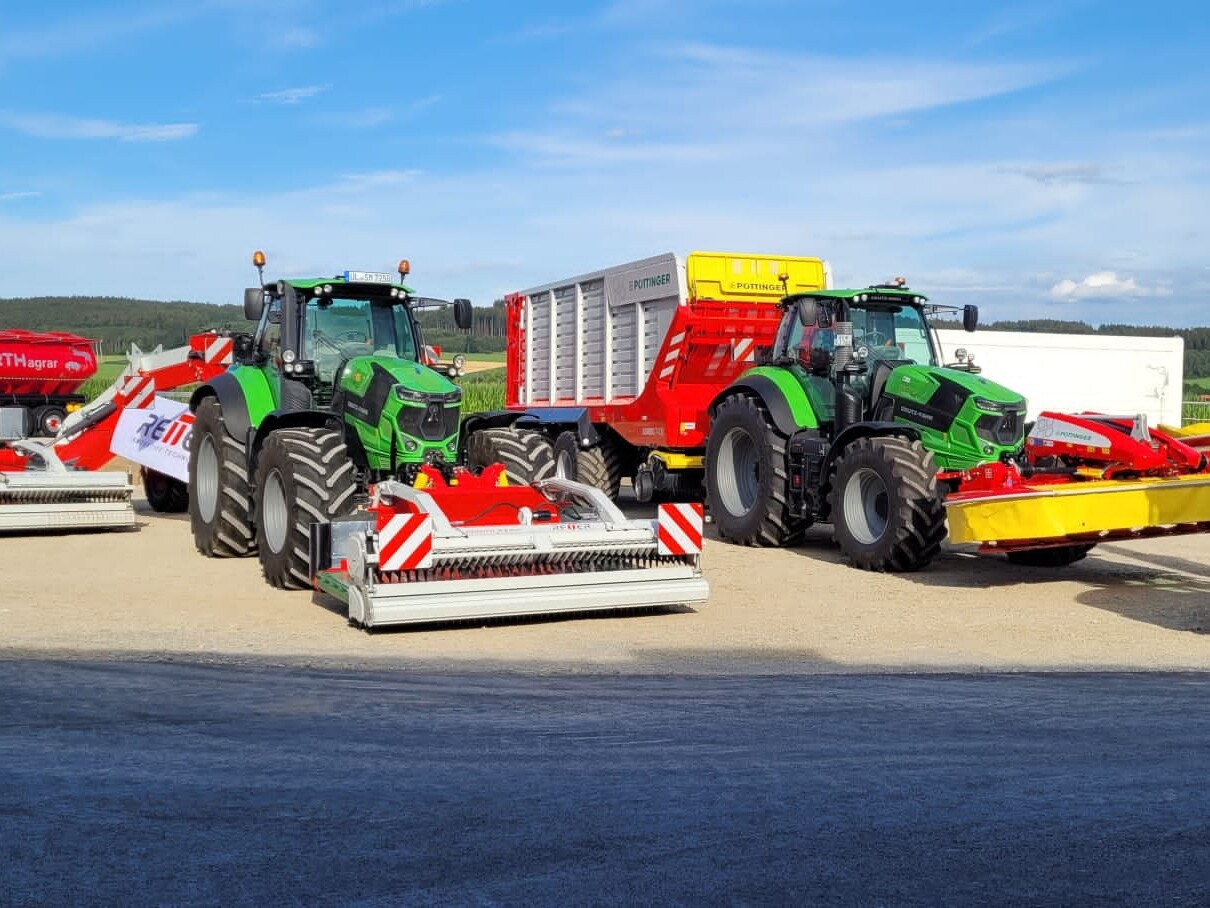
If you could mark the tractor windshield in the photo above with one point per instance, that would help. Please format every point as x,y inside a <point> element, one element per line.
<point>885,331</point>
<point>892,332</point>
<point>338,329</point>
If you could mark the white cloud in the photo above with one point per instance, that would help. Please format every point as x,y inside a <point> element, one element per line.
<point>1102,285</point>
<point>16,196</point>
<point>291,95</point>
<point>1062,174</point>
<point>54,126</point>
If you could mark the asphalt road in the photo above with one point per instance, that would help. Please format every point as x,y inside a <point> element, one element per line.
<point>141,783</point>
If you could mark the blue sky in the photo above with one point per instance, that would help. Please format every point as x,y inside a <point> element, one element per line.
<point>1043,159</point>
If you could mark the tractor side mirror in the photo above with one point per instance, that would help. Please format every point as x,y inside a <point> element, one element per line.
<point>808,311</point>
<point>463,316</point>
<point>254,303</point>
<point>970,317</point>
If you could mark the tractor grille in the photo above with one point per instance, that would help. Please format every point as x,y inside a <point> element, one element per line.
<point>430,421</point>
<point>1006,428</point>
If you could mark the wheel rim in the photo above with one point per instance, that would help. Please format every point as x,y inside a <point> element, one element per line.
<point>738,472</point>
<point>206,479</point>
<point>565,465</point>
<point>866,506</point>
<point>275,515</point>
<point>52,424</point>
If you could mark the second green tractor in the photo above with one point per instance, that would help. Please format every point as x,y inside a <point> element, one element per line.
<point>850,418</point>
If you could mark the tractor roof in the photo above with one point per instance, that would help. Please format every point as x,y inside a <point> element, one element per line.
<point>880,293</point>
<point>375,288</point>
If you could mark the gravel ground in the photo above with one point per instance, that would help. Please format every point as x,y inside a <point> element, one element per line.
<point>148,594</point>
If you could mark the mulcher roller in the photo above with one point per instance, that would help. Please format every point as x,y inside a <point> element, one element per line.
<point>429,554</point>
<point>55,498</point>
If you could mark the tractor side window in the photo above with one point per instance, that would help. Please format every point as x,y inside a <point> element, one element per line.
<point>405,335</point>
<point>270,341</point>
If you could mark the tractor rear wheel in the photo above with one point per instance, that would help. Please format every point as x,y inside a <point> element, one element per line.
<point>303,476</point>
<point>887,511</point>
<point>527,456</point>
<point>598,466</point>
<point>747,480</point>
<point>166,494</point>
<point>1059,556</point>
<point>220,499</point>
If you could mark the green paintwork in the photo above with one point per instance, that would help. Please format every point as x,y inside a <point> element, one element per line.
<point>958,447</point>
<point>312,282</point>
<point>260,387</point>
<point>376,438</point>
<point>792,391</point>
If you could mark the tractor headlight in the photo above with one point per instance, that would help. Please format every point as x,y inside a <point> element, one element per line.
<point>410,396</point>
<point>990,405</point>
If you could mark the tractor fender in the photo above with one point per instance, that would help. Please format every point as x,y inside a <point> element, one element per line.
<point>781,399</point>
<point>231,398</point>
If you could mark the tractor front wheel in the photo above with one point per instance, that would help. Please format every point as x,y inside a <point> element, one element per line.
<point>746,476</point>
<point>887,511</point>
<point>527,456</point>
<point>303,476</point>
<point>220,500</point>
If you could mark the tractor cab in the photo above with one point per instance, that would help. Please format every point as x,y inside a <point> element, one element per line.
<point>349,346</point>
<point>853,339</point>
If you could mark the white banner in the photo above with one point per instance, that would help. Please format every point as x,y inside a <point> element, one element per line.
<point>157,437</point>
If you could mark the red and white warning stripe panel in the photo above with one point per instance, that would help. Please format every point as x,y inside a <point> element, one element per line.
<point>137,391</point>
<point>679,528</point>
<point>405,543</point>
<point>743,350</point>
<point>673,354</point>
<point>220,351</point>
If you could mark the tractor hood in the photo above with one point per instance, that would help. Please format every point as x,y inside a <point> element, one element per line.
<point>966,418</point>
<point>362,371</point>
<point>923,383</point>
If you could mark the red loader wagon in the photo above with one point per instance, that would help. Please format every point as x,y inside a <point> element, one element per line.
<point>616,369</point>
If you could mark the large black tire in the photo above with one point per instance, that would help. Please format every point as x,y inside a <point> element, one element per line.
<point>220,499</point>
<point>303,476</point>
<point>1060,556</point>
<point>165,494</point>
<point>747,479</point>
<point>887,512</point>
<point>527,455</point>
<point>599,466</point>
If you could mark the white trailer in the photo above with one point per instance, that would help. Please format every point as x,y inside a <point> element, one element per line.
<point>1073,373</point>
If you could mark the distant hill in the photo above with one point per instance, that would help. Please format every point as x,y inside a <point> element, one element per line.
<point>118,322</point>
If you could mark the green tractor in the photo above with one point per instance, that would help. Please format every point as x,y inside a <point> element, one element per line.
<point>332,393</point>
<point>850,418</point>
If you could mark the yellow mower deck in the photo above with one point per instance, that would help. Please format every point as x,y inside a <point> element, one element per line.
<point>1092,511</point>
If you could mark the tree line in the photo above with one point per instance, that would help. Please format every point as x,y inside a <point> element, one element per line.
<point>118,322</point>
